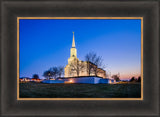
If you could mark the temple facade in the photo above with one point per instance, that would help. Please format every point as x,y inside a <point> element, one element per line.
<point>76,67</point>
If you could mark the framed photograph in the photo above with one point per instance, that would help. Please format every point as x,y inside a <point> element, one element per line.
<point>118,39</point>
<point>80,58</point>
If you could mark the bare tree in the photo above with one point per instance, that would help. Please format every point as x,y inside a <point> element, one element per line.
<point>133,79</point>
<point>76,66</point>
<point>90,57</point>
<point>139,79</point>
<point>60,71</point>
<point>54,72</point>
<point>35,76</point>
<point>48,74</point>
<point>116,77</point>
<point>94,63</point>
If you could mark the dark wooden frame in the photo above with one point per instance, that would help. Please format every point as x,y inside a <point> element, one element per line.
<point>10,106</point>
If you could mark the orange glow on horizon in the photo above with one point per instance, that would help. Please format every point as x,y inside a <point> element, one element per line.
<point>129,76</point>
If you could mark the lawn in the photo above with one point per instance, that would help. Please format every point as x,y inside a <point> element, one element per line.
<point>40,90</point>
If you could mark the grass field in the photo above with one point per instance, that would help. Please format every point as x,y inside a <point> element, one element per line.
<point>40,90</point>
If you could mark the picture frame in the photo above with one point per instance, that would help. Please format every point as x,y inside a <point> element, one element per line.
<point>10,106</point>
<point>80,18</point>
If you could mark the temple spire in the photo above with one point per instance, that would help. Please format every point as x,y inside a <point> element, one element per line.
<point>73,42</point>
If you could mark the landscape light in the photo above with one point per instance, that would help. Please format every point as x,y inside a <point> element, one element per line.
<point>71,81</point>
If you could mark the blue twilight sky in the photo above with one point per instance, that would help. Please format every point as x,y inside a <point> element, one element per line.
<point>45,43</point>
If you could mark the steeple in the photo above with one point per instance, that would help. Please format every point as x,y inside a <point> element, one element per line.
<point>73,42</point>
<point>73,49</point>
<point>73,52</point>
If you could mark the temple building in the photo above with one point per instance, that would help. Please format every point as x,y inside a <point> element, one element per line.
<point>77,68</point>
